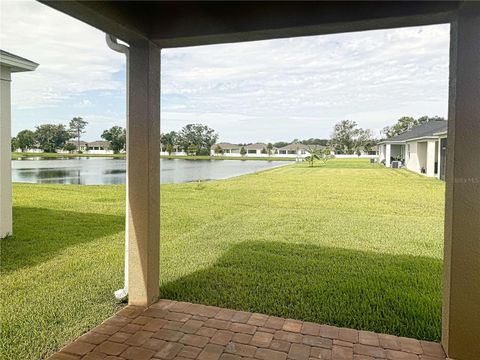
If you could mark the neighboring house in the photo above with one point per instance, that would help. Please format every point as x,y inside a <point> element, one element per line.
<point>81,146</point>
<point>257,149</point>
<point>297,150</point>
<point>421,149</point>
<point>177,151</point>
<point>227,149</point>
<point>99,147</point>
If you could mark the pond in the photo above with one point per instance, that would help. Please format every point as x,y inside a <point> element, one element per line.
<point>107,171</point>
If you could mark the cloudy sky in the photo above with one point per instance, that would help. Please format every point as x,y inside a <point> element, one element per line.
<point>256,91</point>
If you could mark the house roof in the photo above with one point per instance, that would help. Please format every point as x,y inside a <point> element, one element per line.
<point>75,142</point>
<point>428,129</point>
<point>225,145</point>
<point>300,146</point>
<point>101,143</point>
<point>16,63</point>
<point>256,146</point>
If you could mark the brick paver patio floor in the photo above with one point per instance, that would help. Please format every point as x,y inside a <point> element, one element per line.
<point>178,330</point>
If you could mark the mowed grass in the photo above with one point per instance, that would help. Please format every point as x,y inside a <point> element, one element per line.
<point>349,244</point>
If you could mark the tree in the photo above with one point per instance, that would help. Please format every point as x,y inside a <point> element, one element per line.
<point>348,138</point>
<point>69,146</point>
<point>192,150</point>
<point>50,137</point>
<point>315,141</point>
<point>77,127</point>
<point>243,152</point>
<point>269,149</point>
<point>169,138</point>
<point>406,123</point>
<point>199,135</point>
<point>13,144</point>
<point>117,137</point>
<point>264,151</point>
<point>280,144</point>
<point>170,149</point>
<point>24,140</point>
<point>218,149</point>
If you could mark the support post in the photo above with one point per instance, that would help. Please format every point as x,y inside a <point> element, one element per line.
<point>143,173</point>
<point>439,157</point>
<point>388,154</point>
<point>5,155</point>
<point>461,288</point>
<point>430,158</point>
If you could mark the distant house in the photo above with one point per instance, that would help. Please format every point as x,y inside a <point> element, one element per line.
<point>226,149</point>
<point>421,149</point>
<point>298,150</point>
<point>80,145</point>
<point>257,149</point>
<point>99,147</point>
<point>177,151</point>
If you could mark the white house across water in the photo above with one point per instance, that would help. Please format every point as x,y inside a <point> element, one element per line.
<point>421,149</point>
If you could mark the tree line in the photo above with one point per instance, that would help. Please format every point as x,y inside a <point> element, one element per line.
<point>51,137</point>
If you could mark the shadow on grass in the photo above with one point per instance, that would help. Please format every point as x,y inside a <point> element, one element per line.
<point>399,295</point>
<point>39,234</point>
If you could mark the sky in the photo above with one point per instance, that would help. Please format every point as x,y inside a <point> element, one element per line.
<point>262,91</point>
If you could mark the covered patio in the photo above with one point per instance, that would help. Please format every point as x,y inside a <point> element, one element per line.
<point>149,328</point>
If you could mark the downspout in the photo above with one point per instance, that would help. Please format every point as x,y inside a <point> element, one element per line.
<point>112,43</point>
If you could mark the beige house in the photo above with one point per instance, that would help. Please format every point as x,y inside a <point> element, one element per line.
<point>9,63</point>
<point>421,149</point>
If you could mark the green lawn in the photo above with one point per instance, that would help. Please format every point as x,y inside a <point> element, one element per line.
<point>349,244</point>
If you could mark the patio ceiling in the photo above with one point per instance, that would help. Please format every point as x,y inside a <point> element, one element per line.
<point>174,24</point>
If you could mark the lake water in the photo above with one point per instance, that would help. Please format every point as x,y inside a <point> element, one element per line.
<point>106,171</point>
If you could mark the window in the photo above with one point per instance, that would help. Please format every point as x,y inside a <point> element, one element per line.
<point>252,151</point>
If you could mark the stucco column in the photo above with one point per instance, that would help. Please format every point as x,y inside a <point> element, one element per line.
<point>143,173</point>
<point>461,300</point>
<point>388,154</point>
<point>5,155</point>
<point>439,157</point>
<point>430,158</point>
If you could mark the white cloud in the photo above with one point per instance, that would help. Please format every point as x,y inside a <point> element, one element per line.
<point>252,91</point>
<point>73,56</point>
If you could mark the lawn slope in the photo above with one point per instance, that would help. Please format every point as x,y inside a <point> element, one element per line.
<point>349,243</point>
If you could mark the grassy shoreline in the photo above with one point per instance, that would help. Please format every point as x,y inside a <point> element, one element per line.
<point>16,156</point>
<point>347,244</point>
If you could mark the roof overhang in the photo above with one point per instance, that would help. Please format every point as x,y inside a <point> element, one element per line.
<point>16,63</point>
<point>178,23</point>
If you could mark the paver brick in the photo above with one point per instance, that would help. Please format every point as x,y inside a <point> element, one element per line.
<point>240,349</point>
<point>222,337</point>
<point>299,352</point>
<point>168,335</point>
<point>93,338</point>
<point>175,316</point>
<point>241,317</point>
<point>269,354</point>
<point>191,326</point>
<point>194,340</point>
<point>242,328</point>
<point>401,355</point>
<point>208,332</point>
<point>242,338</point>
<point>288,336</point>
<point>211,352</point>
<point>320,353</point>
<point>189,352</point>
<point>280,345</point>
<point>342,353</point>
<point>389,342</point>
<point>154,324</point>
<point>274,323</point>
<point>432,349</point>
<point>261,339</point>
<point>137,353</point>
<point>317,341</point>
<point>329,331</point>
<point>292,325</point>
<point>169,350</point>
<point>369,350</point>
<point>310,329</point>
<point>217,324</point>
<point>349,335</point>
<point>119,337</point>
<point>257,319</point>
<point>78,348</point>
<point>111,348</point>
<point>368,338</point>
<point>410,345</point>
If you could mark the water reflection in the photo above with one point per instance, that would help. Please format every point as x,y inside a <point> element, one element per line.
<point>104,171</point>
